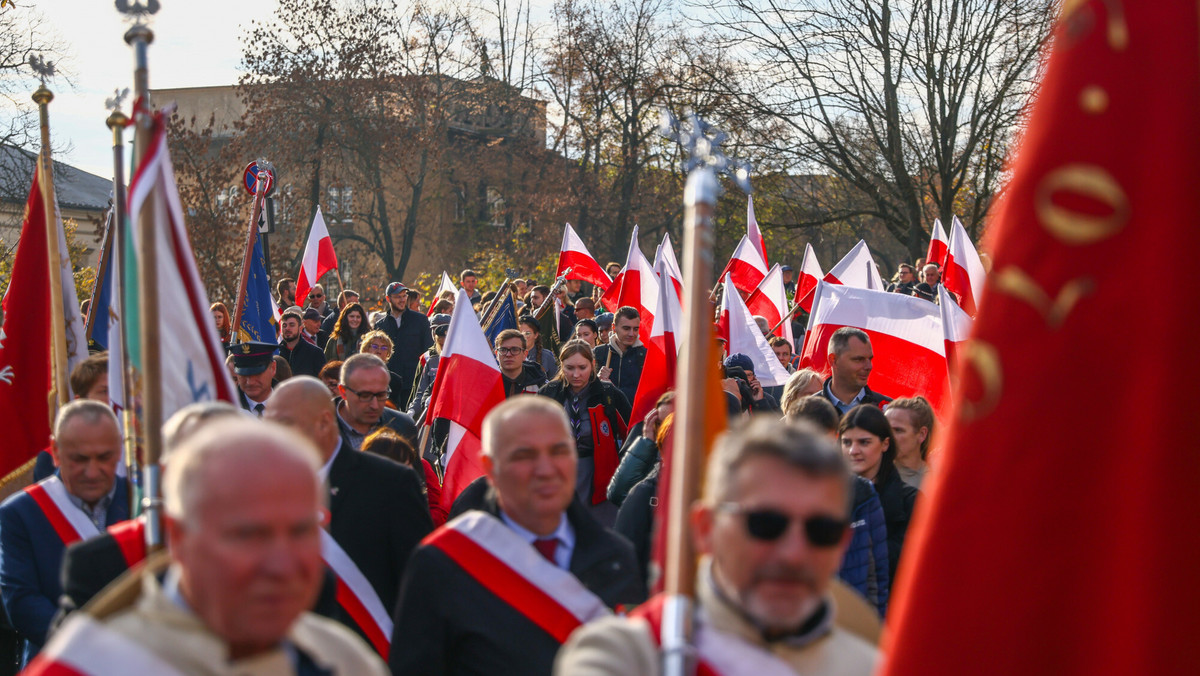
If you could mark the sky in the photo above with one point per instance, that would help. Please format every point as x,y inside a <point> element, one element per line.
<point>196,43</point>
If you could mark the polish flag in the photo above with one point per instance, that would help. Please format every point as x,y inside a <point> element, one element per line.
<point>319,257</point>
<point>939,244</point>
<point>666,254</point>
<point>770,300</point>
<point>658,372</point>
<point>807,278</point>
<point>906,336</point>
<point>636,287</point>
<point>857,268</point>
<point>963,274</point>
<point>467,386</point>
<point>956,326</point>
<point>446,285</point>
<point>752,231</point>
<point>746,268</point>
<point>575,255</point>
<point>745,338</point>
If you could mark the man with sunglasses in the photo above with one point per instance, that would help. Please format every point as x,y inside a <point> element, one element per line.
<point>772,526</point>
<point>362,404</point>
<point>316,300</point>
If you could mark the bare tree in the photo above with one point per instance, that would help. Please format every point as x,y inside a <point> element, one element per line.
<point>912,103</point>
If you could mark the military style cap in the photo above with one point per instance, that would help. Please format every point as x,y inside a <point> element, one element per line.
<point>604,320</point>
<point>251,357</point>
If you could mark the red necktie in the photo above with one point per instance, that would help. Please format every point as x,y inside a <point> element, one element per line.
<point>546,547</point>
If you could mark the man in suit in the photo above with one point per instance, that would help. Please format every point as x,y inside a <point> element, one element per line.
<point>77,503</point>
<point>497,590</point>
<point>410,336</point>
<point>850,363</point>
<point>254,371</point>
<point>377,512</point>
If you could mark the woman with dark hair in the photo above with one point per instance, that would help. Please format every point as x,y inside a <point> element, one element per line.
<point>220,315</point>
<point>532,330</point>
<point>599,416</point>
<point>387,442</point>
<point>587,331</point>
<point>870,447</point>
<point>351,326</point>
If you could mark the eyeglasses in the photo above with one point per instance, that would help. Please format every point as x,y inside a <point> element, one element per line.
<point>316,295</point>
<point>769,525</point>
<point>441,330</point>
<point>366,397</point>
<point>378,348</point>
<point>509,351</point>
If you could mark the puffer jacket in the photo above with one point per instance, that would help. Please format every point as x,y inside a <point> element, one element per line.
<point>637,459</point>
<point>865,565</point>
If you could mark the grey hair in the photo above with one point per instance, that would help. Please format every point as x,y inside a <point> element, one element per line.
<point>358,362</point>
<point>239,439</point>
<point>88,410</point>
<point>186,421</point>
<point>839,342</point>
<point>763,324</point>
<point>499,416</point>
<point>797,445</point>
<point>795,383</point>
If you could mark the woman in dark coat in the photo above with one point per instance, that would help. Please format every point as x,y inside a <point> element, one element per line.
<point>599,416</point>
<point>868,443</point>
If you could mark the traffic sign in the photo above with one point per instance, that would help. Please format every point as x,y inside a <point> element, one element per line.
<point>250,178</point>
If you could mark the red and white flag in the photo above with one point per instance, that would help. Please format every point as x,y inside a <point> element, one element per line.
<point>666,254</point>
<point>636,287</point>
<point>939,244</point>
<point>807,278</point>
<point>319,256</point>
<point>574,254</point>
<point>752,231</point>
<point>769,300</point>
<point>857,268</point>
<point>467,386</point>
<point>746,338</point>
<point>963,274</point>
<point>746,267</point>
<point>658,371</point>
<point>446,285</point>
<point>906,336</point>
<point>956,327</point>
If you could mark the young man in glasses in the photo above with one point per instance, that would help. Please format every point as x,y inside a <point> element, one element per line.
<point>362,404</point>
<point>520,375</point>
<point>772,526</point>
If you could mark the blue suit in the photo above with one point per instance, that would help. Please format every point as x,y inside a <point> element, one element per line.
<point>31,555</point>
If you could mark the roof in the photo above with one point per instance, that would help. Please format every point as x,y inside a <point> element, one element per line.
<point>74,187</point>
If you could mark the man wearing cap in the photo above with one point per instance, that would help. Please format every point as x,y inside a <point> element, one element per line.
<point>305,358</point>
<point>439,324</point>
<point>604,322</point>
<point>254,371</point>
<point>789,280</point>
<point>411,336</point>
<point>738,365</point>
<point>311,330</point>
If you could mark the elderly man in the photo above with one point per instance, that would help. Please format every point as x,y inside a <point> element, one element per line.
<point>243,505</point>
<point>37,524</point>
<point>363,392</point>
<point>254,372</point>
<point>410,336</point>
<point>378,514</point>
<point>497,590</point>
<point>850,362</point>
<point>772,526</point>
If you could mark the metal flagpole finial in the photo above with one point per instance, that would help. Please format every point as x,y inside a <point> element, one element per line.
<point>44,69</point>
<point>113,103</point>
<point>136,10</point>
<point>701,143</point>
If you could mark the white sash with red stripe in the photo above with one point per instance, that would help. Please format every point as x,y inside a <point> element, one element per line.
<point>357,597</point>
<point>511,569</point>
<point>728,654</point>
<point>68,521</point>
<point>85,647</point>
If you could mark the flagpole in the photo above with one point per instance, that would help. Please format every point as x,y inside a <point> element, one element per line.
<point>61,392</point>
<point>101,271</point>
<point>139,37</point>
<point>260,190</point>
<point>117,122</point>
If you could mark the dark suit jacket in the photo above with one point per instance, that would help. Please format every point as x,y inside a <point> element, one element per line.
<point>31,556</point>
<point>447,623</point>
<point>378,515</point>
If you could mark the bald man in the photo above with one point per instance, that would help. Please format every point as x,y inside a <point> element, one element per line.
<point>243,510</point>
<point>378,513</point>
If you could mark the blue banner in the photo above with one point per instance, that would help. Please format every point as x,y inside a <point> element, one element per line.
<point>258,315</point>
<point>505,318</point>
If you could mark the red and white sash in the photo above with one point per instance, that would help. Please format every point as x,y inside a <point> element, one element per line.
<point>718,653</point>
<point>357,597</point>
<point>84,647</point>
<point>511,569</point>
<point>68,521</point>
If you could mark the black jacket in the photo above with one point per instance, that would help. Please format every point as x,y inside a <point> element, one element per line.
<point>626,368</point>
<point>635,519</point>
<point>870,397</point>
<point>897,499</point>
<point>409,339</point>
<point>305,359</point>
<point>447,623</point>
<point>529,382</point>
<point>378,515</point>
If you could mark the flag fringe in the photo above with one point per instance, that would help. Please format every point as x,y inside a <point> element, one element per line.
<point>17,479</point>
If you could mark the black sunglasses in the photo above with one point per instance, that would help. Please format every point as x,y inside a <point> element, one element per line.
<point>769,525</point>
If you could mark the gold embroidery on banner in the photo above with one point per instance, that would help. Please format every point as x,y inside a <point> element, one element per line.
<point>1073,227</point>
<point>1017,283</point>
<point>984,359</point>
<point>1093,99</point>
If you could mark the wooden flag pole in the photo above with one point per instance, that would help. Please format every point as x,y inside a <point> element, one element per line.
<point>61,391</point>
<point>117,122</point>
<point>260,193</point>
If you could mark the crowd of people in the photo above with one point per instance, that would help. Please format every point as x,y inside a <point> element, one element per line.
<point>306,532</point>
